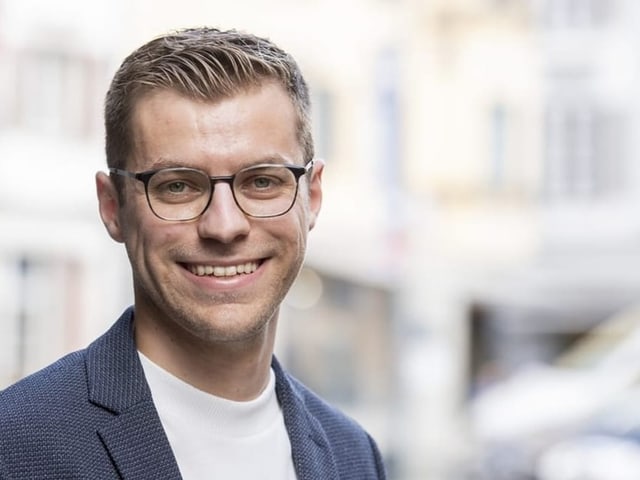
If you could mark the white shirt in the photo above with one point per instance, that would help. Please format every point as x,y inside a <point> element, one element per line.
<point>216,438</point>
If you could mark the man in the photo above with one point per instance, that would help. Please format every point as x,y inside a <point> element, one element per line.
<point>212,188</point>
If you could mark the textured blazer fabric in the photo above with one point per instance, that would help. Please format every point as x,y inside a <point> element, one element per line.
<point>90,416</point>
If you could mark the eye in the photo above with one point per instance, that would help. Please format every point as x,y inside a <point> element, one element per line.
<point>176,187</point>
<point>262,182</point>
<point>260,185</point>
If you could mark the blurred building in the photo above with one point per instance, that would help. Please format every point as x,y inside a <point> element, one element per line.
<point>480,189</point>
<point>59,277</point>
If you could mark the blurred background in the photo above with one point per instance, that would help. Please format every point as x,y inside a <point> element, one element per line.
<point>470,289</point>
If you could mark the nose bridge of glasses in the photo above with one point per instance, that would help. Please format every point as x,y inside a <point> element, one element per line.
<point>228,179</point>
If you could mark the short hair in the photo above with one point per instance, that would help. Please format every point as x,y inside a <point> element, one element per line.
<point>200,63</point>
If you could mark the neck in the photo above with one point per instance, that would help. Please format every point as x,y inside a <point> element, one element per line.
<point>236,370</point>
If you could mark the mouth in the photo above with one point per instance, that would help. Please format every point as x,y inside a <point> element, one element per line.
<point>223,270</point>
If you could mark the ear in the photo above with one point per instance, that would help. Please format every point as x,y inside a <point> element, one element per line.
<point>109,205</point>
<point>315,192</point>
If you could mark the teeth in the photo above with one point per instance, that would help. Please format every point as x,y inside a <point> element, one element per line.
<point>219,271</point>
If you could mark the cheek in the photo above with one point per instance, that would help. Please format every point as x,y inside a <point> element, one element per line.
<point>303,213</point>
<point>287,233</point>
<point>143,236</point>
<point>154,241</point>
<point>298,231</point>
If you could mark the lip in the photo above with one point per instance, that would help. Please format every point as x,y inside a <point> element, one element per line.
<point>221,275</point>
<point>220,270</point>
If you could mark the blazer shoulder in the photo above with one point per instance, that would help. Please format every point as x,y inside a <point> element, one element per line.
<point>70,378</point>
<point>53,384</point>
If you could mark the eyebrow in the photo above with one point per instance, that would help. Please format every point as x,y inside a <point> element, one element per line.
<point>272,159</point>
<point>164,163</point>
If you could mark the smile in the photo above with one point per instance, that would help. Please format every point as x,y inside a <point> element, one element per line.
<point>220,271</point>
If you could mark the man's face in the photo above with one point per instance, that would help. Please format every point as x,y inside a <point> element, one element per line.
<point>168,259</point>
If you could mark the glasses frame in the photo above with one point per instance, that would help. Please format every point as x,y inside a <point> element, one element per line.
<point>145,178</point>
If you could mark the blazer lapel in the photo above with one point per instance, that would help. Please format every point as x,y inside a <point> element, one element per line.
<point>138,446</point>
<point>312,455</point>
<point>134,436</point>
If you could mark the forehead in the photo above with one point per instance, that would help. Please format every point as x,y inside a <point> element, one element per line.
<point>243,128</point>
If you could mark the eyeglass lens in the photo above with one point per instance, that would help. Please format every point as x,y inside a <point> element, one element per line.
<point>184,194</point>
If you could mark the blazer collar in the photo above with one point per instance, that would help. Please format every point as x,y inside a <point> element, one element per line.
<point>115,376</point>
<point>310,449</point>
<point>134,436</point>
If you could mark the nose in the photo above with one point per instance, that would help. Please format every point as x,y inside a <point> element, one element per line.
<point>223,220</point>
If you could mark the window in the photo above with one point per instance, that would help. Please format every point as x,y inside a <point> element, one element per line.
<point>388,118</point>
<point>39,312</point>
<point>341,345</point>
<point>323,112</point>
<point>53,92</point>
<point>584,153</point>
<point>498,125</point>
<point>576,13</point>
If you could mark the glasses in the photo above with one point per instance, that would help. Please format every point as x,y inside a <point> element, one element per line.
<point>181,194</point>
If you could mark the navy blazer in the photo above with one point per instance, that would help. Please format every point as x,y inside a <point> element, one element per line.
<point>90,416</point>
